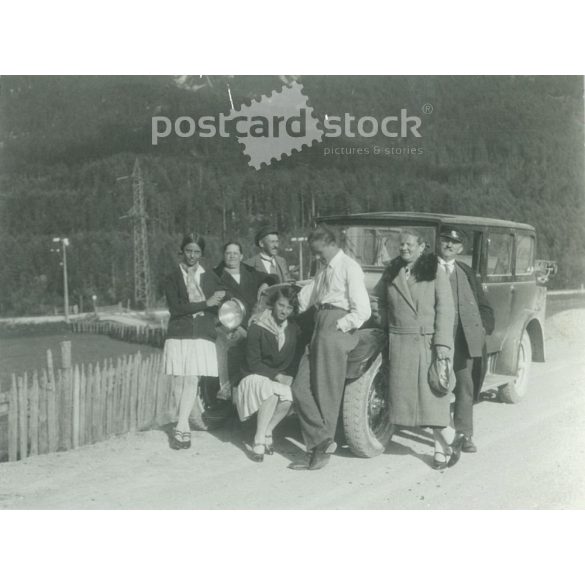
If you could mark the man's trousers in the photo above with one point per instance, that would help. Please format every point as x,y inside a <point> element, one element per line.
<point>318,403</point>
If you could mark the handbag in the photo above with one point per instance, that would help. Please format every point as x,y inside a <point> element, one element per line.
<point>441,376</point>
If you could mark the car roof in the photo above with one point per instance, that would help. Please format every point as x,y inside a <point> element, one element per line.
<point>431,217</point>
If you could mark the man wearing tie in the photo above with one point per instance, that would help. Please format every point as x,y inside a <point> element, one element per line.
<point>268,260</point>
<point>474,317</point>
<point>338,294</point>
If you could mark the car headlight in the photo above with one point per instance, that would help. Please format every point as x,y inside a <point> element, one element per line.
<point>232,313</point>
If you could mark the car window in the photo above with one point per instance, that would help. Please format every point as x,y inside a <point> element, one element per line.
<point>376,246</point>
<point>499,257</point>
<point>471,248</point>
<point>524,254</point>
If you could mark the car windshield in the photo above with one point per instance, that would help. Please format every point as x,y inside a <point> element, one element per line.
<point>374,246</point>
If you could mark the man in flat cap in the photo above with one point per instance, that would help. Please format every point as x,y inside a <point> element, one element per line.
<point>474,318</point>
<point>268,261</point>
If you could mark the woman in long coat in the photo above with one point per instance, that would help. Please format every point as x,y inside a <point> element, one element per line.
<point>192,297</point>
<point>415,306</point>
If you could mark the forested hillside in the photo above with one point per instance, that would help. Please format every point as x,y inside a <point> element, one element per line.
<point>504,147</point>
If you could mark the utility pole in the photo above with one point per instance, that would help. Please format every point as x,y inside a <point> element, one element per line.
<point>300,241</point>
<point>64,243</point>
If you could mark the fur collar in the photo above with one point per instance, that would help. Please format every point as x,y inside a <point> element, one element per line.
<point>424,269</point>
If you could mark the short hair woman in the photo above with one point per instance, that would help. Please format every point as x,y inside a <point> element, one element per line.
<point>189,352</point>
<point>246,284</point>
<point>416,308</point>
<point>271,361</point>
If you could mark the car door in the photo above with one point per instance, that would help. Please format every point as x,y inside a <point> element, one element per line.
<point>525,291</point>
<point>498,280</point>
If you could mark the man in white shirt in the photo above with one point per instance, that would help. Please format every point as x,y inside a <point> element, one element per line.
<point>338,293</point>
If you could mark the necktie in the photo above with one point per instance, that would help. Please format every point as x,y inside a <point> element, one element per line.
<point>407,272</point>
<point>273,269</point>
<point>323,284</point>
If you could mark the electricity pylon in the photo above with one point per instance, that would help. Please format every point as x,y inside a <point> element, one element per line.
<point>142,281</point>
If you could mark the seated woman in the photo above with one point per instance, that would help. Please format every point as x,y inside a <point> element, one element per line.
<point>271,359</point>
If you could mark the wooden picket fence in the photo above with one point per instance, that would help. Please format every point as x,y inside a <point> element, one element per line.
<point>67,407</point>
<point>145,334</point>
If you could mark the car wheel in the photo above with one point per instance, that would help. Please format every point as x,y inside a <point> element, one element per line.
<point>515,391</point>
<point>365,412</point>
<point>208,412</point>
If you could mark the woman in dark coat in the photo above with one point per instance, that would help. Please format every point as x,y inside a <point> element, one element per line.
<point>245,284</point>
<point>415,305</point>
<point>192,296</point>
<point>271,362</point>
<point>241,281</point>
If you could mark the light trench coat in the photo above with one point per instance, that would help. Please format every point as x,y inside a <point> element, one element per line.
<point>417,315</point>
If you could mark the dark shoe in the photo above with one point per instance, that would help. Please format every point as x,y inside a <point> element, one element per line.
<point>269,445</point>
<point>456,450</point>
<point>176,442</point>
<point>258,456</point>
<point>440,461</point>
<point>468,445</point>
<point>319,460</point>
<point>186,442</point>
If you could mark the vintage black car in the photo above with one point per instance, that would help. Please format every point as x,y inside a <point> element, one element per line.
<point>502,254</point>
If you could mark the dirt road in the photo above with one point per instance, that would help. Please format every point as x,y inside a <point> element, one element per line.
<point>531,455</point>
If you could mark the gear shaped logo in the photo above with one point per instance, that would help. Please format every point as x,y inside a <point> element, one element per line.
<point>275,125</point>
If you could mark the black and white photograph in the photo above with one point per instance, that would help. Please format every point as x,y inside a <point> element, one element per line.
<point>291,293</point>
<point>365,292</point>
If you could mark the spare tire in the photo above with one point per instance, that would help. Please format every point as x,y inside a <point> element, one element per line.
<point>365,411</point>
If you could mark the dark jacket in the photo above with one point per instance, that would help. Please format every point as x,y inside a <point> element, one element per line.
<point>281,267</point>
<point>247,289</point>
<point>182,325</point>
<point>264,358</point>
<point>485,309</point>
<point>488,320</point>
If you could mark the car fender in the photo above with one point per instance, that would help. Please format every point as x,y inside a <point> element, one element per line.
<point>370,344</point>
<point>506,360</point>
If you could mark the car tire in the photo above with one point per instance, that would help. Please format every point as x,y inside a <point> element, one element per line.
<point>208,412</point>
<point>365,412</point>
<point>514,392</point>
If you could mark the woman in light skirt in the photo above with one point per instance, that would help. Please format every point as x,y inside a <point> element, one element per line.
<point>271,362</point>
<point>193,295</point>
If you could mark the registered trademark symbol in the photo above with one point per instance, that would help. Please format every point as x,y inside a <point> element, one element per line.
<point>427,109</point>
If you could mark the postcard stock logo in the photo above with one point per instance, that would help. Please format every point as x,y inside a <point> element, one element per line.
<point>281,123</point>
